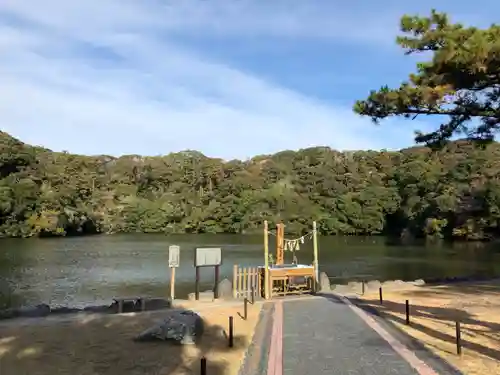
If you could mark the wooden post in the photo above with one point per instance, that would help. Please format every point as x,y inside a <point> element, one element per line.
<point>380,295</point>
<point>253,294</point>
<point>266,261</point>
<point>216,286</point>
<point>280,243</point>
<point>235,280</point>
<point>363,287</point>
<point>315,249</point>
<point>203,366</point>
<point>407,312</point>
<point>458,338</point>
<point>172,283</point>
<point>197,284</point>
<point>231,332</point>
<point>245,308</point>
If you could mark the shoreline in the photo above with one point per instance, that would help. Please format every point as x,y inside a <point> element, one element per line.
<point>134,304</point>
<point>393,239</point>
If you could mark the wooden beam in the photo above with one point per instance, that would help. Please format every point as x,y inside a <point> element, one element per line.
<point>266,261</point>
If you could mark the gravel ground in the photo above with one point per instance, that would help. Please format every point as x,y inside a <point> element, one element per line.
<point>323,336</point>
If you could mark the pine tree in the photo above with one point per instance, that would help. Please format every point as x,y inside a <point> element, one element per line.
<point>460,83</point>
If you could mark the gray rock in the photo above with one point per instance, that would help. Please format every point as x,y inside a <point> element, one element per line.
<point>9,314</point>
<point>34,311</point>
<point>354,285</point>
<point>419,282</point>
<point>204,296</point>
<point>225,289</point>
<point>324,282</point>
<point>158,304</point>
<point>99,309</point>
<point>64,310</point>
<point>181,327</point>
<point>373,285</point>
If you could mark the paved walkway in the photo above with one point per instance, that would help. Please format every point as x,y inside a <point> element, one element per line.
<point>319,336</point>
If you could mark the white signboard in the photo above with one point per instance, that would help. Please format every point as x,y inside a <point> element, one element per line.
<point>207,257</point>
<point>173,256</point>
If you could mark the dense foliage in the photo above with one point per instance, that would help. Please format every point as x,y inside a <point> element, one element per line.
<point>459,84</point>
<point>452,192</point>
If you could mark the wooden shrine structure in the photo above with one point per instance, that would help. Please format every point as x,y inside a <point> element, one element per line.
<point>276,277</point>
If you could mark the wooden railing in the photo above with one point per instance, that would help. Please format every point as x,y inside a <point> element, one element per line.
<point>245,281</point>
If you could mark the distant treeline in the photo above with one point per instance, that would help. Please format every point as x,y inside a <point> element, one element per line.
<point>451,193</point>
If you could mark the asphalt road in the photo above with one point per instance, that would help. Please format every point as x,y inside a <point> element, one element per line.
<point>324,336</point>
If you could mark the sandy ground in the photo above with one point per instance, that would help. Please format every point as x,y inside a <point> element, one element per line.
<point>103,345</point>
<point>433,313</point>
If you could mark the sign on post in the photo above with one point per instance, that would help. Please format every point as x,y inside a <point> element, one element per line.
<point>173,263</point>
<point>173,256</point>
<point>207,257</point>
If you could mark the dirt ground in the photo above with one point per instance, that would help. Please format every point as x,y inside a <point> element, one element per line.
<point>103,344</point>
<point>433,313</point>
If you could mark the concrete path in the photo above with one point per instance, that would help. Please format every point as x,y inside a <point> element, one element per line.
<point>320,336</point>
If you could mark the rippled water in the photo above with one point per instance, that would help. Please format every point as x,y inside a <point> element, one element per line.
<point>86,270</point>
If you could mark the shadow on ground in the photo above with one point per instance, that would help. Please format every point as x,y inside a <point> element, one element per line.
<point>447,316</point>
<point>104,345</point>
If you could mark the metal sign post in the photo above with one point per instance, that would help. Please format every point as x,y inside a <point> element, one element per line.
<point>173,263</point>
<point>207,257</point>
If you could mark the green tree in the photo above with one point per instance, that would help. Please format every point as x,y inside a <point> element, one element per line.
<point>452,193</point>
<point>461,81</point>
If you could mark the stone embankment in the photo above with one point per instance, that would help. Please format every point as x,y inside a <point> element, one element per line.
<point>370,285</point>
<point>42,310</point>
<point>225,292</point>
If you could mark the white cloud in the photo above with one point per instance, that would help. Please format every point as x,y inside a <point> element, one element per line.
<point>155,96</point>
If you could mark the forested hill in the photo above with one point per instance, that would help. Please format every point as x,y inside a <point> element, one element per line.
<point>452,192</point>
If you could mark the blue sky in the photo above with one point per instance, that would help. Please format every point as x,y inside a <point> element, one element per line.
<point>230,78</point>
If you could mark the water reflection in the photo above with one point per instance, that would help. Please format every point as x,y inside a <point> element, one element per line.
<point>80,271</point>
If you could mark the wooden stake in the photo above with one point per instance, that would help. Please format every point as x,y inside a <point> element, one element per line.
<point>245,308</point>
<point>216,286</point>
<point>203,366</point>
<point>172,283</point>
<point>235,280</point>
<point>380,295</point>
<point>407,312</point>
<point>266,261</point>
<point>458,338</point>
<point>315,262</point>
<point>197,284</point>
<point>231,332</point>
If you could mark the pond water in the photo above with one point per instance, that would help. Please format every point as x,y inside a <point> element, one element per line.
<point>79,271</point>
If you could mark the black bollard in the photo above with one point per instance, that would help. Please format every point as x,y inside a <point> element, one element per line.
<point>380,295</point>
<point>197,284</point>
<point>203,366</point>
<point>245,308</point>
<point>231,332</point>
<point>363,287</point>
<point>458,338</point>
<point>407,312</point>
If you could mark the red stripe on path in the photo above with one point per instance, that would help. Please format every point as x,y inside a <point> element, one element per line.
<point>275,360</point>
